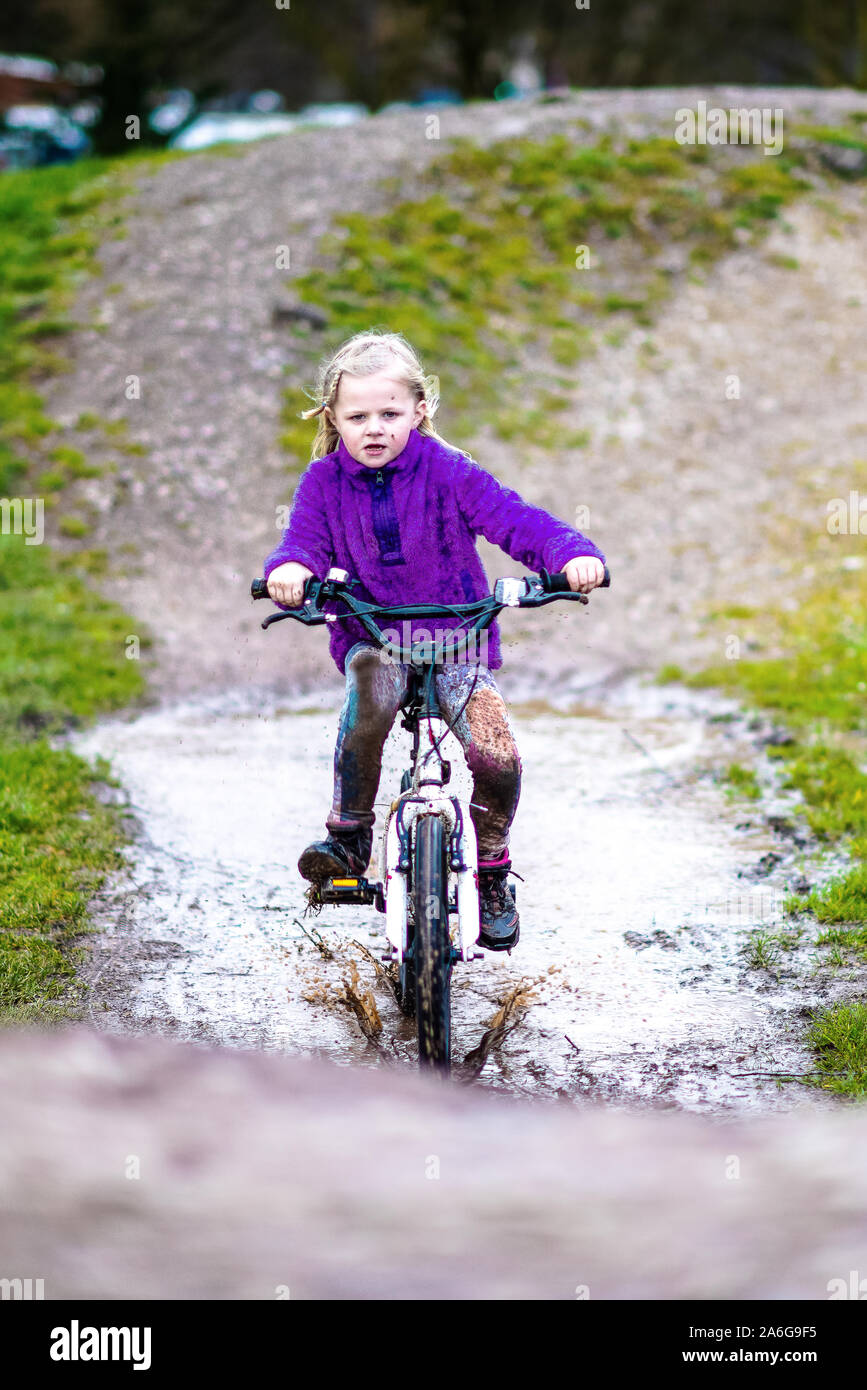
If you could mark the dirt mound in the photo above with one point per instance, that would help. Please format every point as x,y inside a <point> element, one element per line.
<point>139,1168</point>
<point>681,479</point>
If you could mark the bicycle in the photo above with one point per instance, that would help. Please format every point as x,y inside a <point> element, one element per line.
<point>429,856</point>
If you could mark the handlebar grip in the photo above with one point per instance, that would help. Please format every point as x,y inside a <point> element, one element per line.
<point>559,584</point>
<point>259,588</point>
<point>555,583</point>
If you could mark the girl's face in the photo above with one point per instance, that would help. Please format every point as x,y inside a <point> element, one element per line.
<point>374,416</point>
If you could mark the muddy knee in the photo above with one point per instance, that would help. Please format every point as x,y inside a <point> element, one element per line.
<point>374,685</point>
<point>497,773</point>
<point>493,746</point>
<point>493,759</point>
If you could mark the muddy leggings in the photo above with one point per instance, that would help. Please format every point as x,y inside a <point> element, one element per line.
<point>374,691</point>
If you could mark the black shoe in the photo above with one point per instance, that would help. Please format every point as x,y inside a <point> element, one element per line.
<point>500,922</point>
<point>345,853</point>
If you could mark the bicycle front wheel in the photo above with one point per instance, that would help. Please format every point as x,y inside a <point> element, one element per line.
<point>432,948</point>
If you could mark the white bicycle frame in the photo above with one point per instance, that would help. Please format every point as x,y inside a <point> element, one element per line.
<point>426,798</point>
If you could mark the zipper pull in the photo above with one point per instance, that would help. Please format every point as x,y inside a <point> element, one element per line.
<point>379,481</point>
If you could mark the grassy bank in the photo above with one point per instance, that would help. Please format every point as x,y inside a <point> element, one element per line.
<point>62,647</point>
<point>810,672</point>
<point>807,667</point>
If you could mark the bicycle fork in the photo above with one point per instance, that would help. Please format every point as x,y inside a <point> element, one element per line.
<point>426,798</point>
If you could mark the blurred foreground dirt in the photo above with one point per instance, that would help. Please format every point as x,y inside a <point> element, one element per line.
<point>258,1174</point>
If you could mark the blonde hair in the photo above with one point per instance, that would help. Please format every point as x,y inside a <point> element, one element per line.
<point>365,354</point>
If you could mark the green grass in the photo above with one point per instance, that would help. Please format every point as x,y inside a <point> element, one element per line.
<point>821,672</point>
<point>762,950</point>
<point>832,135</point>
<point>838,1037</point>
<point>57,841</point>
<point>842,900</point>
<point>73,527</point>
<point>479,270</point>
<point>50,220</point>
<point>74,463</point>
<point>834,790</point>
<point>741,782</point>
<point>62,647</point>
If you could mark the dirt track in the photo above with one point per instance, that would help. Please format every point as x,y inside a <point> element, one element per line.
<point>629,985</point>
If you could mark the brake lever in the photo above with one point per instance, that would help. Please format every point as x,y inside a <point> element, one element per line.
<point>318,593</point>
<point>537,597</point>
<point>309,619</point>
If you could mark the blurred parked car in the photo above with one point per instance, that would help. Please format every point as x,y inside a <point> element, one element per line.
<point>438,96</point>
<point>18,150</point>
<point>214,127</point>
<point>334,113</point>
<point>266,100</point>
<point>36,135</point>
<point>176,107</point>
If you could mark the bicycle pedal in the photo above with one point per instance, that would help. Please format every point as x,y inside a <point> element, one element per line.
<point>348,890</point>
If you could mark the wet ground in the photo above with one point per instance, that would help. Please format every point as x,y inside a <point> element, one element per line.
<point>642,882</point>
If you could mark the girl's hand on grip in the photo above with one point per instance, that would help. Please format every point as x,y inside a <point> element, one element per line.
<point>584,573</point>
<point>286,583</point>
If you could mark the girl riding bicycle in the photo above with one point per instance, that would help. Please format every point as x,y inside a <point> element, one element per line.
<point>392,503</point>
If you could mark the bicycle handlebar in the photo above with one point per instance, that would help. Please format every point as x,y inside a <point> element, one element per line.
<point>531,592</point>
<point>551,584</point>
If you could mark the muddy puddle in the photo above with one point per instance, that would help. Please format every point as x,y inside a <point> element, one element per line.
<point>641,885</point>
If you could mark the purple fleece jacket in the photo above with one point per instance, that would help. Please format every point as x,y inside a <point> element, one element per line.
<point>408,532</point>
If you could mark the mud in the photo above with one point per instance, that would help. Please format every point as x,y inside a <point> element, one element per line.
<point>641,886</point>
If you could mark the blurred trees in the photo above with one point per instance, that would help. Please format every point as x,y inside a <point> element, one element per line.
<point>835,37</point>
<point>376,51</point>
<point>141,45</point>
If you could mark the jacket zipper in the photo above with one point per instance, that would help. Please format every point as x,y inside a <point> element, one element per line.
<point>385,522</point>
